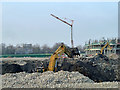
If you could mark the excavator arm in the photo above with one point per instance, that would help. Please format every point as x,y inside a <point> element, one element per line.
<point>55,55</point>
<point>70,52</point>
<point>107,44</point>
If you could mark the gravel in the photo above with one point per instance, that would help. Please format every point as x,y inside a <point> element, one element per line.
<point>47,79</point>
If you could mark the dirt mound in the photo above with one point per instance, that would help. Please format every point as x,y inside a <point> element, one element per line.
<point>11,68</point>
<point>100,68</point>
<point>29,67</point>
<point>114,56</point>
<point>100,57</point>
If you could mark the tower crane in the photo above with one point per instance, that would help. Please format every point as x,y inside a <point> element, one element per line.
<point>71,25</point>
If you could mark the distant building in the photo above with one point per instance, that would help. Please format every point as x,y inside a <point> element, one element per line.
<point>19,50</point>
<point>24,49</point>
<point>27,48</point>
<point>94,47</point>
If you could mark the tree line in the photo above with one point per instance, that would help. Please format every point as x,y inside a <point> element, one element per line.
<point>31,49</point>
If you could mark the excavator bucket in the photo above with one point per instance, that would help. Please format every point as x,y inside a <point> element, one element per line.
<point>75,51</point>
<point>72,52</point>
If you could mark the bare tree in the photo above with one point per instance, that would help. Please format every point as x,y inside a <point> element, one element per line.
<point>36,49</point>
<point>45,49</point>
<point>55,46</point>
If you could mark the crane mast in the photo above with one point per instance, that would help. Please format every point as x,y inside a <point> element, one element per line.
<point>71,25</point>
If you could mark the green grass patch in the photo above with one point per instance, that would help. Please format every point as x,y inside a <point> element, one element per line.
<point>26,55</point>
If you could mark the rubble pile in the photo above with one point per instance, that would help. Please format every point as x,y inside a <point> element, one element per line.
<point>47,79</point>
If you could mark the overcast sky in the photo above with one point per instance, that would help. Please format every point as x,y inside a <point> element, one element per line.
<point>31,22</point>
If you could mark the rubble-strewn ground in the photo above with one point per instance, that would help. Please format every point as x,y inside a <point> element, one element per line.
<point>46,79</point>
<point>97,72</point>
<point>50,79</point>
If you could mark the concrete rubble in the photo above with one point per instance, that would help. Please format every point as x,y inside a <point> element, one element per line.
<point>46,79</point>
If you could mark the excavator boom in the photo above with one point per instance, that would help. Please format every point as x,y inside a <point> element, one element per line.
<point>62,49</point>
<point>107,44</point>
<point>70,52</point>
<point>53,58</point>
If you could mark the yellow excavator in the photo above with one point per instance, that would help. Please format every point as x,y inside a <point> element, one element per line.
<point>70,52</point>
<point>106,45</point>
